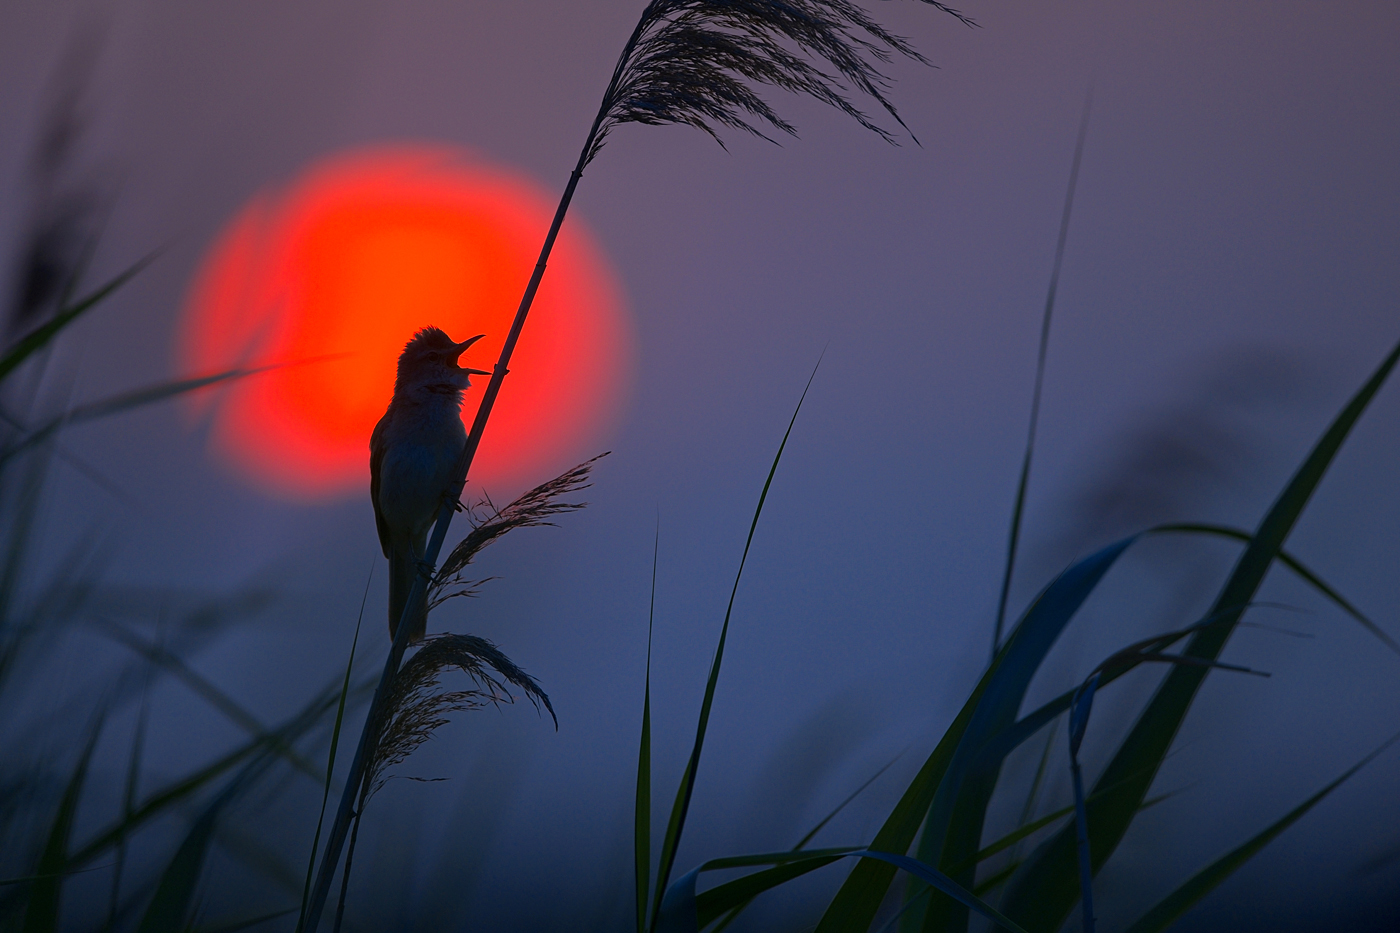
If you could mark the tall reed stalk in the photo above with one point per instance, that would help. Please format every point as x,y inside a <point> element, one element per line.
<point>690,62</point>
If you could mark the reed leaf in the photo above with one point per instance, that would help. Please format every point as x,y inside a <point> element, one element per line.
<point>998,691</point>
<point>41,336</point>
<point>678,910</point>
<point>168,797</point>
<point>1045,890</point>
<point>1018,507</point>
<point>1169,909</point>
<point>779,877</point>
<point>953,832</point>
<point>675,827</point>
<point>1293,564</point>
<point>1079,711</point>
<point>210,692</point>
<point>170,905</point>
<point>41,913</point>
<point>641,813</point>
<point>330,756</point>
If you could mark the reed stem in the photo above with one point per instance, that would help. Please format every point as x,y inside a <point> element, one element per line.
<point>369,738</point>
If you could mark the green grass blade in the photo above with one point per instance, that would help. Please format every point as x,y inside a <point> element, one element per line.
<point>41,913</point>
<point>641,818</point>
<point>29,879</point>
<point>169,909</point>
<point>133,775</point>
<point>678,910</point>
<point>740,892</point>
<point>1034,826</point>
<point>1169,909</point>
<point>954,829</point>
<point>116,404</point>
<point>211,693</point>
<point>1044,892</point>
<point>40,336</point>
<point>168,797</point>
<point>247,924</point>
<point>859,898</point>
<point>330,757</point>
<point>676,825</point>
<point>1295,565</point>
<point>1018,509</point>
<point>810,835</point>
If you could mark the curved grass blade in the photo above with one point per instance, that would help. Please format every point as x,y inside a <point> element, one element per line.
<point>247,924</point>
<point>859,898</point>
<point>170,905</point>
<point>133,775</point>
<point>165,799</point>
<point>1034,826</point>
<point>330,757</point>
<point>210,692</point>
<point>1293,564</point>
<point>1080,709</point>
<point>953,832</point>
<point>1169,909</point>
<point>40,336</point>
<point>641,824</point>
<point>733,896</point>
<point>996,697</point>
<point>1007,740</point>
<point>801,844</point>
<point>27,879</point>
<point>678,909</point>
<point>1078,724</point>
<point>116,404</point>
<point>41,913</point>
<point>676,826</point>
<point>1044,892</point>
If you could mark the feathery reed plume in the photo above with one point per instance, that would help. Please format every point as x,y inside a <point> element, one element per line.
<point>415,707</point>
<point>535,507</point>
<point>693,61</point>
<point>690,62</point>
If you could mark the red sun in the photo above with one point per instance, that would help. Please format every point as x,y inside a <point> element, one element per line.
<point>333,273</point>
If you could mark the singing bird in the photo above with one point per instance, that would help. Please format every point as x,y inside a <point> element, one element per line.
<point>412,453</point>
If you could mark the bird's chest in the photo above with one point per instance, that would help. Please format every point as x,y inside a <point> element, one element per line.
<point>420,454</point>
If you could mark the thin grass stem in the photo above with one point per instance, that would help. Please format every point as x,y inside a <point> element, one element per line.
<point>330,758</point>
<point>1018,509</point>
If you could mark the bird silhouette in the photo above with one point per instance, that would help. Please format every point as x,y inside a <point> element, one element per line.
<point>412,454</point>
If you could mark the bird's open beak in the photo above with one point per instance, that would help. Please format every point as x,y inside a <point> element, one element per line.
<point>461,347</point>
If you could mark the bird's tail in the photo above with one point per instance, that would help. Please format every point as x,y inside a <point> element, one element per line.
<point>403,567</point>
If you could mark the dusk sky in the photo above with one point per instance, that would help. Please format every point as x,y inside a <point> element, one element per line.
<point>1232,275</point>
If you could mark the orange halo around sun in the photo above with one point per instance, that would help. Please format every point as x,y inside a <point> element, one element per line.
<point>334,273</point>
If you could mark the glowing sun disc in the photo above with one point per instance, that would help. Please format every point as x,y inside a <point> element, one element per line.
<point>333,273</point>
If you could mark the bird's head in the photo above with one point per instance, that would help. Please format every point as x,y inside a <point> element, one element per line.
<point>429,362</point>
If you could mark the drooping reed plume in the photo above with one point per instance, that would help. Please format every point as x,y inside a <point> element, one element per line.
<point>692,62</point>
<point>414,707</point>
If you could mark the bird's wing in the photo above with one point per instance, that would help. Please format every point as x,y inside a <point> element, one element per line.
<point>377,443</point>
